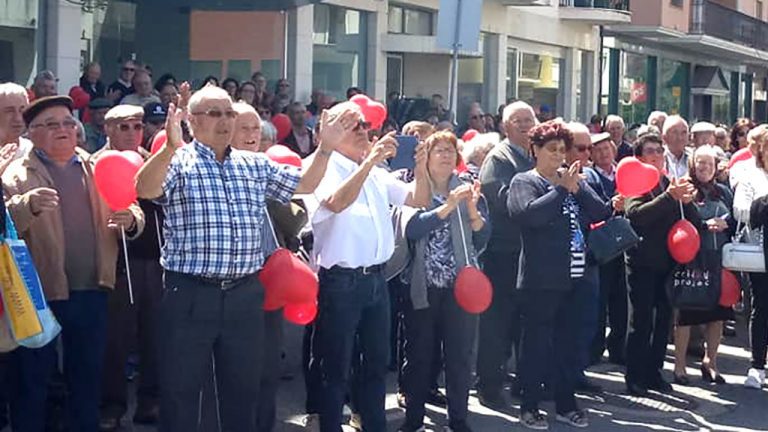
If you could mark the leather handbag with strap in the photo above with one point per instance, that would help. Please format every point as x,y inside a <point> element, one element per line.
<point>609,239</point>
<point>745,253</point>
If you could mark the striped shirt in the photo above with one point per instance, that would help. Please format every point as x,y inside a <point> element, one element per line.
<point>578,246</point>
<point>215,210</point>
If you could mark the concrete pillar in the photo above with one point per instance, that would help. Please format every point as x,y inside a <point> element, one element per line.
<point>570,76</point>
<point>495,74</point>
<point>300,54</point>
<point>62,54</point>
<point>376,70</point>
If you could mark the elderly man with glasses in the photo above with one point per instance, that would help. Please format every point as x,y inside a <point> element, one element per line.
<point>215,198</point>
<point>73,238</point>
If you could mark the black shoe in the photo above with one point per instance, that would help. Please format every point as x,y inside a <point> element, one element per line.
<point>635,389</point>
<point>660,386</point>
<point>405,427</point>
<point>682,380</point>
<point>710,376</point>
<point>458,426</point>
<point>492,400</point>
<point>617,360</point>
<point>436,398</point>
<point>586,386</point>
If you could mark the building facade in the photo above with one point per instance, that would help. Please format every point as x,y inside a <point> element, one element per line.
<point>704,59</point>
<point>546,52</point>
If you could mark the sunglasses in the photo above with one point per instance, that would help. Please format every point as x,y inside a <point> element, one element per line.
<point>125,127</point>
<point>475,117</point>
<point>128,69</point>
<point>53,125</point>
<point>741,134</point>
<point>582,149</point>
<point>217,114</point>
<point>362,124</point>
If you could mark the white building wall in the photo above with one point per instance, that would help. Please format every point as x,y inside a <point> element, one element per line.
<point>63,42</point>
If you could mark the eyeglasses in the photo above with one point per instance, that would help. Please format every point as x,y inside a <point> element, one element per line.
<point>444,152</point>
<point>653,150</point>
<point>283,85</point>
<point>582,149</point>
<point>217,114</point>
<point>475,117</point>
<point>362,124</point>
<point>125,127</point>
<point>128,69</point>
<point>54,125</point>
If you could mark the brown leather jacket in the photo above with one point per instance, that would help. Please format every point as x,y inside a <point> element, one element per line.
<point>44,233</point>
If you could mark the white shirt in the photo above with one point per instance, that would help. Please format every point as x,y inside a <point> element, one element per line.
<point>739,169</point>
<point>676,168</point>
<point>362,234</point>
<point>753,184</point>
<point>609,175</point>
<point>25,146</point>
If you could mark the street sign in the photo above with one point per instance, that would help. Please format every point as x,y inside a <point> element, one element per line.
<point>458,22</point>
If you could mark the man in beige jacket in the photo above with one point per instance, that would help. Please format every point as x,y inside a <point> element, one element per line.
<point>73,238</point>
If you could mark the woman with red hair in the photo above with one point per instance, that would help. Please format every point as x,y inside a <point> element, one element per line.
<point>553,205</point>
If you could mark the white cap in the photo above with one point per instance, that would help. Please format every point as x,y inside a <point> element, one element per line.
<point>703,127</point>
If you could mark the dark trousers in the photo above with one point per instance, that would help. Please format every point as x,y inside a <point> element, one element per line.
<point>758,321</point>
<point>614,310</point>
<point>5,385</point>
<point>83,319</point>
<point>548,347</point>
<point>197,320</point>
<point>270,377</point>
<point>500,324</point>
<point>585,302</point>
<point>422,328</point>
<point>128,323</point>
<point>353,304</point>
<point>649,325</point>
<point>313,376</point>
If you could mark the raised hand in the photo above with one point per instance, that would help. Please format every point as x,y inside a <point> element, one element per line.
<point>173,127</point>
<point>42,200</point>
<point>385,148</point>
<point>681,190</point>
<point>7,154</point>
<point>571,177</point>
<point>420,156</point>
<point>461,193</point>
<point>334,130</point>
<point>185,93</point>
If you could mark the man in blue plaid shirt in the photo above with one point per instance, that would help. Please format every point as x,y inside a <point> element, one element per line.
<point>214,198</point>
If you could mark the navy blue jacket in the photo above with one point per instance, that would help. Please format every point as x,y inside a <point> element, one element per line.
<point>546,253</point>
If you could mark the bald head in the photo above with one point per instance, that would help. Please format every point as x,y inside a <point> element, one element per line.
<point>582,144</point>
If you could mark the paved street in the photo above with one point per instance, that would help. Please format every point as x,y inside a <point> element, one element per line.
<point>701,407</point>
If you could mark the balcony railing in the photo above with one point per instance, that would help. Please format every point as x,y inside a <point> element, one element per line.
<point>711,19</point>
<point>621,5</point>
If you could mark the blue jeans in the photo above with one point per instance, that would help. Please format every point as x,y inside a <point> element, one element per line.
<point>586,304</point>
<point>353,304</point>
<point>83,320</point>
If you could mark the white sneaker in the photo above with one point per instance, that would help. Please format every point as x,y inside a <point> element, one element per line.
<point>755,378</point>
<point>312,422</point>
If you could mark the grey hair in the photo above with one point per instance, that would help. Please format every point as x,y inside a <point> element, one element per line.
<point>207,91</point>
<point>514,107</point>
<point>13,89</point>
<point>80,132</point>
<point>653,115</point>
<point>45,75</point>
<point>671,121</point>
<point>268,131</point>
<point>576,127</point>
<point>484,142</point>
<point>613,118</point>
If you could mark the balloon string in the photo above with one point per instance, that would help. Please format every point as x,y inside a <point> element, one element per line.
<point>682,213</point>
<point>463,237</point>
<point>127,265</point>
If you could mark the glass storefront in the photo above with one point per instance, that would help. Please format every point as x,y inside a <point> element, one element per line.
<point>340,48</point>
<point>673,83</point>
<point>18,32</point>
<point>633,88</point>
<point>541,83</point>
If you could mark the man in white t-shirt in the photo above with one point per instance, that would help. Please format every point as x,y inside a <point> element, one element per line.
<point>353,239</point>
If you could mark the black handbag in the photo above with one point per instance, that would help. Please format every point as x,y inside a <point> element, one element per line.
<point>608,240</point>
<point>696,285</point>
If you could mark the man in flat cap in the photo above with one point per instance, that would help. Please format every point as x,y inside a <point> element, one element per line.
<point>73,238</point>
<point>125,128</point>
<point>703,133</point>
<point>95,135</point>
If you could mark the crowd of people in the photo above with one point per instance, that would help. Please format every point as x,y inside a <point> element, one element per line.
<point>516,198</point>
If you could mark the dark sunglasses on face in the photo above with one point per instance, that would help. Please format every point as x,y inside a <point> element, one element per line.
<point>362,124</point>
<point>217,114</point>
<point>582,149</point>
<point>125,127</point>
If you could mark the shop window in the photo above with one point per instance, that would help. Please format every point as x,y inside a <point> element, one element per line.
<point>673,78</point>
<point>512,71</point>
<point>540,83</point>
<point>410,21</point>
<point>676,3</point>
<point>340,49</point>
<point>633,89</point>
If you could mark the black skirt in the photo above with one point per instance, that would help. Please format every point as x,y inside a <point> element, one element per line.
<point>690,317</point>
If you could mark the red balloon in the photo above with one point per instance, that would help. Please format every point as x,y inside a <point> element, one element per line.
<point>635,178</point>
<point>473,291</point>
<point>159,139</point>
<point>283,125</point>
<point>272,300</point>
<point>730,293</point>
<point>114,175</point>
<point>80,97</point>
<point>683,241</point>
<point>300,313</point>
<point>289,278</point>
<point>469,134</point>
<point>283,155</point>
<point>373,112</point>
<point>741,155</point>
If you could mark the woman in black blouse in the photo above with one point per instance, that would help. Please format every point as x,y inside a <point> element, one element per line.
<point>552,204</point>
